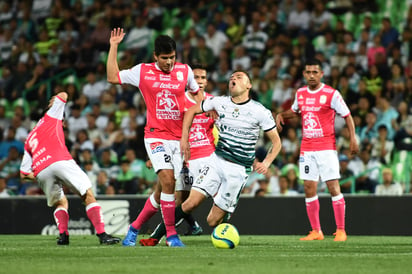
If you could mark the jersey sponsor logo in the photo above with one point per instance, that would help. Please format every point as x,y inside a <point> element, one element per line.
<point>311,126</point>
<point>198,136</point>
<point>163,77</point>
<point>169,86</point>
<point>179,76</point>
<point>300,97</point>
<point>150,78</point>
<point>310,101</point>
<point>157,147</point>
<point>167,106</point>
<point>180,66</point>
<point>313,108</point>
<point>322,99</point>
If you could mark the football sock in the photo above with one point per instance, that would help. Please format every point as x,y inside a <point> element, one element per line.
<point>94,212</point>
<point>150,208</point>
<point>312,209</point>
<point>167,204</point>
<point>61,216</point>
<point>338,203</point>
<point>226,218</point>
<point>160,230</point>
<point>190,220</point>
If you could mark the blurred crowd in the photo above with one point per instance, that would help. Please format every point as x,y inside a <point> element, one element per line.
<point>365,47</point>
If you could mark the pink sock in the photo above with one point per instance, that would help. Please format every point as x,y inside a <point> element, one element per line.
<point>150,208</point>
<point>312,209</point>
<point>338,203</point>
<point>94,212</point>
<point>167,203</point>
<point>61,216</point>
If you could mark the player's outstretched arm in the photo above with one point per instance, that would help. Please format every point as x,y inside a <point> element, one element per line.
<point>273,135</point>
<point>112,67</point>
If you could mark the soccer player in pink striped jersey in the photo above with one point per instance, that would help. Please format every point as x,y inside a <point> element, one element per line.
<point>317,104</point>
<point>163,85</point>
<point>47,159</point>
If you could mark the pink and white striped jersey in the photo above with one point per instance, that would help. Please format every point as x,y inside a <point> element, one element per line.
<point>164,95</point>
<point>201,138</point>
<point>318,109</point>
<point>45,144</point>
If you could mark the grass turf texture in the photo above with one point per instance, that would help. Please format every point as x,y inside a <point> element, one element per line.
<point>255,254</point>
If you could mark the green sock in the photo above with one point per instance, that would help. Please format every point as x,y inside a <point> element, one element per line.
<point>226,218</point>
<point>160,230</point>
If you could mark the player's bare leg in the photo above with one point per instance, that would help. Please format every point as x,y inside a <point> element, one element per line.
<point>216,216</point>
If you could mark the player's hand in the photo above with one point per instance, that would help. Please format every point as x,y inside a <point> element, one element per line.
<point>149,164</point>
<point>279,122</point>
<point>185,150</point>
<point>212,114</point>
<point>354,148</point>
<point>116,36</point>
<point>260,167</point>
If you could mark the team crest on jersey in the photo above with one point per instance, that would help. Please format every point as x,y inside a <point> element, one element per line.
<point>179,75</point>
<point>322,99</point>
<point>236,113</point>
<point>157,147</point>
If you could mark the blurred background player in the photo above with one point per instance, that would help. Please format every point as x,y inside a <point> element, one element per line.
<point>318,104</point>
<point>47,159</point>
<point>163,85</point>
<point>201,147</point>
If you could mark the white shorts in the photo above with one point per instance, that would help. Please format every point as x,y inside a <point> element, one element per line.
<point>185,181</point>
<point>222,180</point>
<point>164,154</point>
<point>59,174</point>
<point>315,165</point>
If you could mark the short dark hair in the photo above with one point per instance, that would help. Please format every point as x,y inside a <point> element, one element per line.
<point>314,62</point>
<point>164,44</point>
<point>198,66</point>
<point>245,72</point>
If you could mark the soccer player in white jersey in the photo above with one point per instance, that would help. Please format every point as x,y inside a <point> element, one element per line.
<point>318,104</point>
<point>47,159</point>
<point>240,121</point>
<point>163,84</point>
<point>201,147</point>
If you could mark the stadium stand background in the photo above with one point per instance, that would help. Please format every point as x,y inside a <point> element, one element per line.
<point>47,46</point>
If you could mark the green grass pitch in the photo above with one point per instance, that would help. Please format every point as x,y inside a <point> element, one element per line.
<point>255,254</point>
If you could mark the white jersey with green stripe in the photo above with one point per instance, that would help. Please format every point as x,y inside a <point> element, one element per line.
<point>239,127</point>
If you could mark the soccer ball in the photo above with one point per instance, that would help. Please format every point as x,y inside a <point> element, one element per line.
<point>225,236</point>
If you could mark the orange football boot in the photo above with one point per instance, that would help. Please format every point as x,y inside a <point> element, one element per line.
<point>340,235</point>
<point>313,235</point>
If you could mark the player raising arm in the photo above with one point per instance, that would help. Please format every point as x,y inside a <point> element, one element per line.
<point>163,85</point>
<point>47,159</point>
